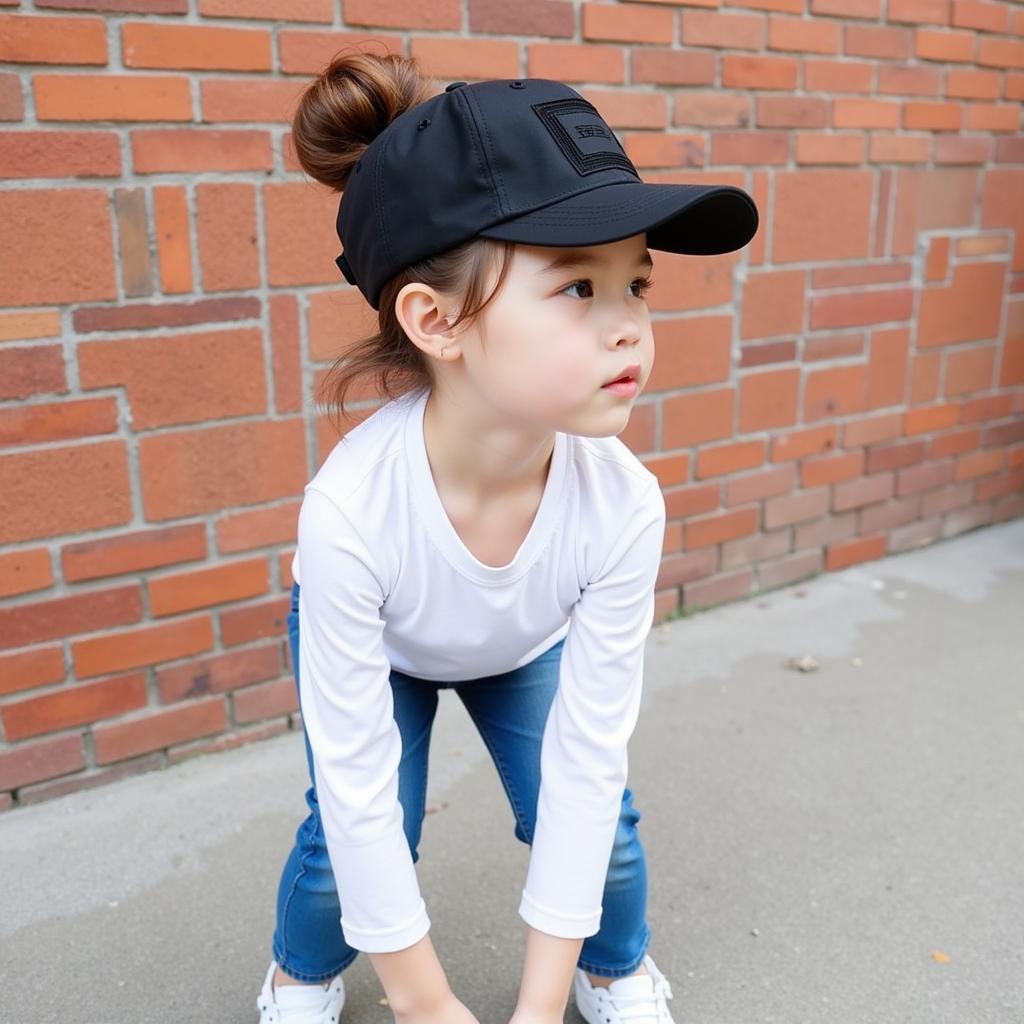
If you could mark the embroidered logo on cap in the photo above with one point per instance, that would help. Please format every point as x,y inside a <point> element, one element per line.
<point>587,142</point>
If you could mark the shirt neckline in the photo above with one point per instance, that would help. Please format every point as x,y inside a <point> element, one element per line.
<point>439,526</point>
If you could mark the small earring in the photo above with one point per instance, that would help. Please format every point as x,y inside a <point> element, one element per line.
<point>442,353</point>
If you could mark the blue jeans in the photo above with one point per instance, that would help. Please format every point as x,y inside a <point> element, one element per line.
<point>510,711</point>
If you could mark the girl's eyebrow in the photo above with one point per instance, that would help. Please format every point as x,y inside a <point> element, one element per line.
<point>575,259</point>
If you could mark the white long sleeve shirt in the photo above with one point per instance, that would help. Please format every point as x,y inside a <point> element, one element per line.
<point>387,582</point>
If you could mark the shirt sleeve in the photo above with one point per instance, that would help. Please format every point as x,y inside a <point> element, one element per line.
<point>595,709</point>
<point>348,714</point>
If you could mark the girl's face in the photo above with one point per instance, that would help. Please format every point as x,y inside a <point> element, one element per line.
<point>548,342</point>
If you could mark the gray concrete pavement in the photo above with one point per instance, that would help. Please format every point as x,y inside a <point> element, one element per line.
<point>813,839</point>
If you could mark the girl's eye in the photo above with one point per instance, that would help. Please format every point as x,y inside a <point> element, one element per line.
<point>642,284</point>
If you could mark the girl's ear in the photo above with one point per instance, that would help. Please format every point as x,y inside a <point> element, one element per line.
<point>426,318</point>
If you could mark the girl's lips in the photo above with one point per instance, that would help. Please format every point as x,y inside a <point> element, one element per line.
<point>624,388</point>
<point>630,373</point>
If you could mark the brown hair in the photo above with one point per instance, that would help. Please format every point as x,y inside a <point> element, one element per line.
<point>347,105</point>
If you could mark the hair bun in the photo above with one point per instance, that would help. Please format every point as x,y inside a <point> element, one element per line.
<point>347,106</point>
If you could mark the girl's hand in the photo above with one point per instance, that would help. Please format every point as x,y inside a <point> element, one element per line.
<point>450,1011</point>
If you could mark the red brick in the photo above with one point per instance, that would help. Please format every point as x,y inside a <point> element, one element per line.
<point>812,148</point>
<point>924,478</point>
<point>258,528</point>
<point>21,572</point>
<point>755,548</point>
<point>672,66</point>
<point>50,40</point>
<point>831,469</point>
<point>201,588</point>
<point>732,31</point>
<point>146,45</point>
<point>450,57</point>
<point>88,780</point>
<point>303,51</point>
<point>895,148</point>
<point>698,417</point>
<point>301,241</point>
<point>688,501</point>
<point>769,400</point>
<point>760,147</point>
<point>57,421</point>
<point>632,23</point>
<point>944,46</point>
<point>861,549</point>
<point>871,429</point>
<point>575,62</point>
<point>74,705</point>
<point>171,227</point>
<point>31,371</point>
<point>49,154</point>
<point>729,458</point>
<point>954,149</point>
<point>204,470</point>
<point>859,113</point>
<point>30,762</point>
<point>59,617</point>
<point>890,514</point>
<point>754,486</point>
<point>811,226</point>
<point>969,370</point>
<point>27,669</point>
<point>834,392</point>
<point>791,569</point>
<point>26,326</point>
<point>932,417</point>
<point>972,84</point>
<point>954,442</point>
<point>887,368</point>
<point>999,485</point>
<point>679,569</point>
<point>218,673</point>
<point>718,589</point>
<point>832,76</point>
<point>621,108</point>
<point>798,444</point>
<point>866,491</point>
<point>803,35</point>
<point>265,701</point>
<point>254,622</point>
<point>147,646</point>
<point>932,116</point>
<point>914,535</point>
<point>975,464</point>
<point>132,552</point>
<point>981,15</point>
<point>132,6</point>
<point>711,109</point>
<point>112,97</point>
<point>791,112</point>
<point>249,99</point>
<point>826,530</point>
<point>909,81</point>
<point>286,356</point>
<point>795,508</point>
<point>969,308</point>
<point>160,730</point>
<point>284,568</point>
<point>1003,206</point>
<point>140,316</point>
<point>38,224</point>
<point>714,529</point>
<point>895,456</point>
<point>187,378</point>
<point>528,17</point>
<point>829,348</point>
<point>854,309</point>
<point>271,10</point>
<point>97,475</point>
<point>935,12</point>
<point>767,353</point>
<point>665,150</point>
<point>133,241</point>
<point>12,106</point>
<point>184,150</point>
<point>691,352</point>
<point>226,228</point>
<point>884,42</point>
<point>743,72</point>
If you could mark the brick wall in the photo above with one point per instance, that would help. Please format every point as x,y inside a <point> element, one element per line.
<point>849,384</point>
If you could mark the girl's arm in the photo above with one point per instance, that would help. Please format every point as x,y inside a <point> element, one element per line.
<point>547,975</point>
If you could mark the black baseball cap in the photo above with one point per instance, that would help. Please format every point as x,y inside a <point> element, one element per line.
<point>522,160</point>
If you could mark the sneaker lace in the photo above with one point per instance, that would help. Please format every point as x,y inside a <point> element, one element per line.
<point>643,1009</point>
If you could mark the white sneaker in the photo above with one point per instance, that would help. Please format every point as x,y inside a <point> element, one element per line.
<point>300,1004</point>
<point>639,999</point>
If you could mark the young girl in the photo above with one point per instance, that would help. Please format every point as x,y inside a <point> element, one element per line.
<point>484,530</point>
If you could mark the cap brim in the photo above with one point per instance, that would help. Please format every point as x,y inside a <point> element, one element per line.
<point>698,220</point>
